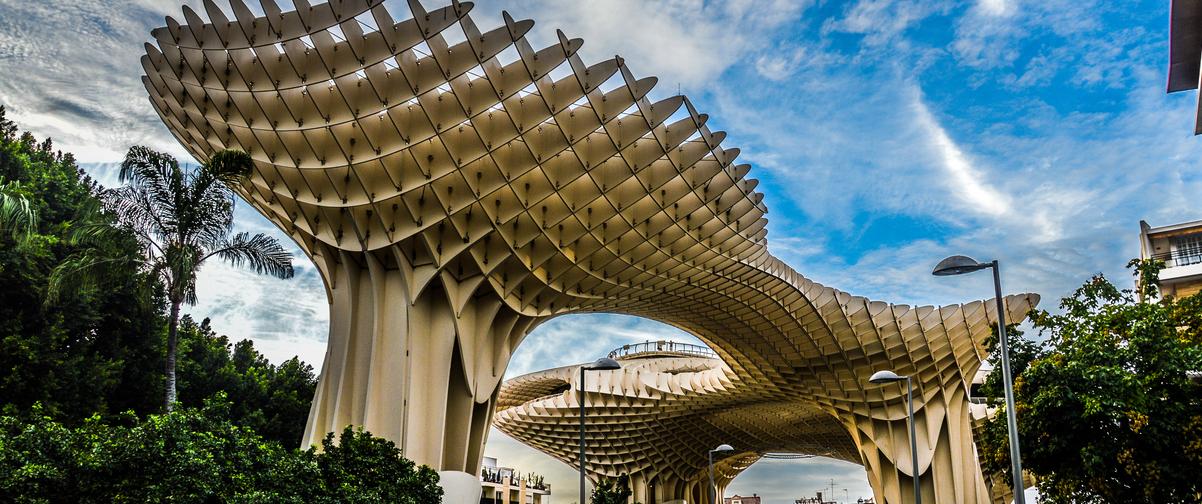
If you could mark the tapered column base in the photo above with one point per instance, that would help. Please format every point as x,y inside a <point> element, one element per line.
<point>417,363</point>
<point>949,471</point>
<point>459,487</point>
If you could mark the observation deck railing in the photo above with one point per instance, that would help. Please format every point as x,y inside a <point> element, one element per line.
<point>662,347</point>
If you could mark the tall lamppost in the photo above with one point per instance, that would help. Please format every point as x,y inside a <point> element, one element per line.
<point>722,448</point>
<point>959,265</point>
<point>882,377</point>
<point>602,364</point>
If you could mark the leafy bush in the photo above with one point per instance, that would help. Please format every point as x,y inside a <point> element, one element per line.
<point>197,456</point>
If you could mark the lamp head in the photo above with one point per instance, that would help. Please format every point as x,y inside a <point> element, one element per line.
<point>958,265</point>
<point>723,448</point>
<point>603,364</point>
<point>880,377</point>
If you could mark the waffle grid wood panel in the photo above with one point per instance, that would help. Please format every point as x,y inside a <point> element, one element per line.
<point>454,197</point>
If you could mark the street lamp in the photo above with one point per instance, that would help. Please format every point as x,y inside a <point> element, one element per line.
<point>602,364</point>
<point>959,265</point>
<point>882,377</point>
<point>722,448</point>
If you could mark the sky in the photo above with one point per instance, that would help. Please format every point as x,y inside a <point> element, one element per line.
<point>887,134</point>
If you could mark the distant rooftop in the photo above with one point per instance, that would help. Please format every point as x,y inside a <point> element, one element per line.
<point>1172,227</point>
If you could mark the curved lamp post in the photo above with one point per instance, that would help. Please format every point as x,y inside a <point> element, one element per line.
<point>882,377</point>
<point>959,265</point>
<point>722,448</point>
<point>602,364</point>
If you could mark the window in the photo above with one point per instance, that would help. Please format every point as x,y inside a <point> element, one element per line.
<point>1186,250</point>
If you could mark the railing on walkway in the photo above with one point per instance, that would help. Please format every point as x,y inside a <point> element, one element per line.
<point>662,346</point>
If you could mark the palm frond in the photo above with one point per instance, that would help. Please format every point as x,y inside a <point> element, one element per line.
<point>133,210</point>
<point>86,271</point>
<point>262,253</point>
<point>181,263</point>
<point>229,166</point>
<point>210,200</point>
<point>143,165</point>
<point>210,216</point>
<point>157,173</point>
<point>17,218</point>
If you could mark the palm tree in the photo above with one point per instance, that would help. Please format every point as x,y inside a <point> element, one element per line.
<point>182,218</point>
<point>17,219</point>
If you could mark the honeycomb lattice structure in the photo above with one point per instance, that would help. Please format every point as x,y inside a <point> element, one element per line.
<point>655,419</point>
<point>455,187</point>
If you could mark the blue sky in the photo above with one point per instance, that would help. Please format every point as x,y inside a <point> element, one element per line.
<point>886,134</point>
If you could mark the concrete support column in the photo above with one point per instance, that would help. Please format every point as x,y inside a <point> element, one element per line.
<point>419,364</point>
<point>947,457</point>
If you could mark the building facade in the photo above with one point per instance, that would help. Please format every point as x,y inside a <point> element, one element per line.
<point>503,485</point>
<point>818,498</point>
<point>739,499</point>
<point>1179,247</point>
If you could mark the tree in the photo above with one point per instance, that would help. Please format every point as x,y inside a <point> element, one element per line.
<point>92,350</point>
<point>272,400</point>
<point>611,491</point>
<point>364,468</point>
<point>1106,409</point>
<point>181,219</point>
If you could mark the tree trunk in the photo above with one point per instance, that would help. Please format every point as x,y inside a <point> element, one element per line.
<point>172,331</point>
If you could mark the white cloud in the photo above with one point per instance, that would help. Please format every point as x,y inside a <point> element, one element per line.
<point>685,42</point>
<point>782,62</point>
<point>79,74</point>
<point>997,7</point>
<point>964,180</point>
<point>573,339</point>
<point>883,21</point>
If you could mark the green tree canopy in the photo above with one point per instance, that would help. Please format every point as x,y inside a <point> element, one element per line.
<point>612,491</point>
<point>1106,408</point>
<point>93,350</point>
<point>272,400</point>
<point>98,345</point>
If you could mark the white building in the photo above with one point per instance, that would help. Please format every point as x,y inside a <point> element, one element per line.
<point>502,485</point>
<point>1180,247</point>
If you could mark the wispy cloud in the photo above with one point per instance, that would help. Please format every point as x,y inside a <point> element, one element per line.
<point>963,179</point>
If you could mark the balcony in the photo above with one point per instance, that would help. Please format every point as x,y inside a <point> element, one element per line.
<point>1180,265</point>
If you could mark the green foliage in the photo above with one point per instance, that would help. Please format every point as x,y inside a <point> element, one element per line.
<point>1106,411</point>
<point>272,400</point>
<point>1022,352</point>
<point>82,343</point>
<point>17,219</point>
<point>92,350</point>
<point>198,456</point>
<point>362,468</point>
<point>612,491</point>
<point>180,219</point>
